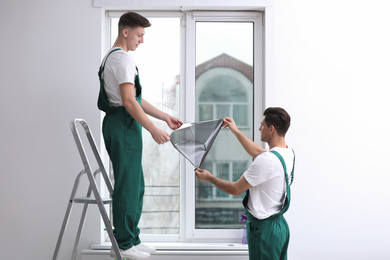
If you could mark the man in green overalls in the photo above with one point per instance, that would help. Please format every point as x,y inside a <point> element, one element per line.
<point>126,113</point>
<point>267,184</point>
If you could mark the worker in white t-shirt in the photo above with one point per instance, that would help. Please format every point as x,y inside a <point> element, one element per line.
<point>267,183</point>
<point>126,113</point>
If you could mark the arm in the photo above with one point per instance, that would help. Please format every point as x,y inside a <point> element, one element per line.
<point>234,188</point>
<point>250,147</point>
<point>136,111</point>
<point>173,122</point>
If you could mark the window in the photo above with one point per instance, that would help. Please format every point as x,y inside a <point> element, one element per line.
<point>208,66</point>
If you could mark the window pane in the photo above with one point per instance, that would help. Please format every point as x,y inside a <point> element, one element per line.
<point>223,173</point>
<point>240,115</point>
<point>204,189</point>
<point>238,169</point>
<point>224,80</point>
<point>161,211</point>
<point>223,88</point>
<point>223,111</point>
<point>206,112</point>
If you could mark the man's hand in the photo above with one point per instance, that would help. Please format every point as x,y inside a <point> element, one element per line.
<point>234,188</point>
<point>174,123</point>
<point>203,175</point>
<point>250,147</point>
<point>229,122</point>
<point>160,136</point>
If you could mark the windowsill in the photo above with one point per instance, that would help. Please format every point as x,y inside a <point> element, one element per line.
<point>184,246</point>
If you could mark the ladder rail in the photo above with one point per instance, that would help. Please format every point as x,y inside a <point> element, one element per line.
<point>93,188</point>
<point>95,151</point>
<point>82,220</point>
<point>67,214</point>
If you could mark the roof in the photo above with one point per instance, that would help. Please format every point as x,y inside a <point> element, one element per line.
<point>226,61</point>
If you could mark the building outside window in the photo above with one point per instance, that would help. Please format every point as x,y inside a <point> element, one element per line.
<point>224,87</point>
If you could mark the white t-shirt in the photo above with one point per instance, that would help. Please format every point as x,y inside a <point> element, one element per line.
<point>120,68</point>
<point>267,177</point>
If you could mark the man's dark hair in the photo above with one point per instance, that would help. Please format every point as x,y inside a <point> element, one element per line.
<point>132,20</point>
<point>279,118</point>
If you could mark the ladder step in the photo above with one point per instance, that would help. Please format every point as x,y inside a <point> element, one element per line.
<point>91,200</point>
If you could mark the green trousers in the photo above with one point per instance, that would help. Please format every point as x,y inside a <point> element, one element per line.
<point>268,239</point>
<point>123,140</point>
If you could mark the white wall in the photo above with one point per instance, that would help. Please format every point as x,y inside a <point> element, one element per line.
<point>331,64</point>
<point>50,54</point>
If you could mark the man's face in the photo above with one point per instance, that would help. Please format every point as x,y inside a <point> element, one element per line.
<point>264,131</point>
<point>134,38</point>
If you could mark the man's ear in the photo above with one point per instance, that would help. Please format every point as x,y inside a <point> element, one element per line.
<point>125,32</point>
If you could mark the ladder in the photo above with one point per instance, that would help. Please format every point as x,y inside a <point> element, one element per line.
<point>92,190</point>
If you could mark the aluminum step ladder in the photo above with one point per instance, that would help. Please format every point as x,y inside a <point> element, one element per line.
<point>92,190</point>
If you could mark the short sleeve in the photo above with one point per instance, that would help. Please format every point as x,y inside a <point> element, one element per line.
<point>124,69</point>
<point>260,170</point>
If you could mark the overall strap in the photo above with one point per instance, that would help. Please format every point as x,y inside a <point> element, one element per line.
<point>104,63</point>
<point>292,172</point>
<point>285,168</point>
<point>286,205</point>
<point>102,99</point>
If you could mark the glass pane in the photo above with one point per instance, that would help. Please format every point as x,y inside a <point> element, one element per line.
<point>206,112</point>
<point>204,189</point>
<point>160,87</point>
<point>240,115</point>
<point>223,173</point>
<point>223,111</point>
<point>238,169</point>
<point>224,80</point>
<point>223,88</point>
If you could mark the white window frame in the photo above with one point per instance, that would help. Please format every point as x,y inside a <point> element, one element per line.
<point>263,87</point>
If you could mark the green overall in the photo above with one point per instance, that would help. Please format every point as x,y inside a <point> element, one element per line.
<point>268,238</point>
<point>123,139</point>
